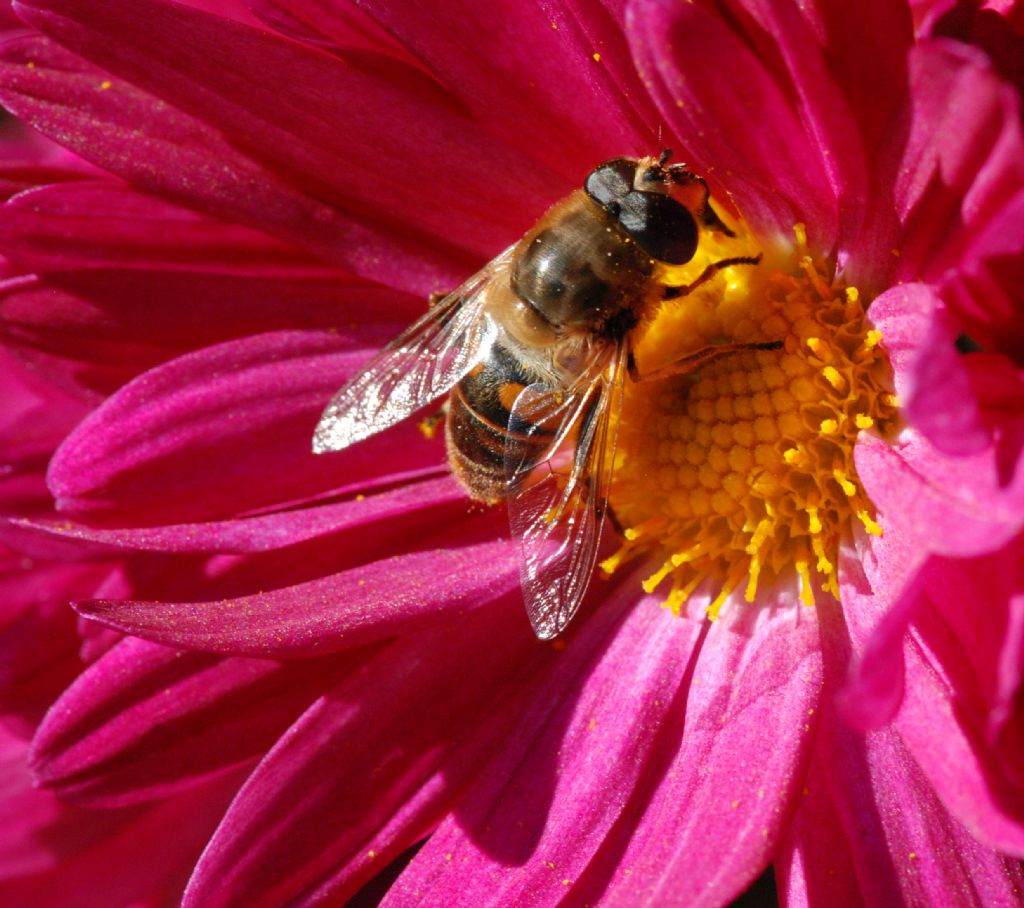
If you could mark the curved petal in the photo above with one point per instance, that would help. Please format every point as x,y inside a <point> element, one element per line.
<point>340,127</point>
<point>733,119</point>
<point>145,722</point>
<point>351,763</point>
<point>981,603</point>
<point>880,593</point>
<point>917,490</point>
<point>932,381</point>
<point>984,289</point>
<point>703,827</point>
<point>962,161</point>
<point>544,78</point>
<point>373,601</point>
<point>221,431</point>
<point>182,158</point>
<point>982,785</point>
<point>527,830</point>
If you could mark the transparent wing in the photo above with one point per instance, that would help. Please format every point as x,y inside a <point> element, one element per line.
<point>558,510</point>
<point>424,362</point>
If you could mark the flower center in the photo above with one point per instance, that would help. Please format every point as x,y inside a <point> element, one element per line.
<point>742,472</point>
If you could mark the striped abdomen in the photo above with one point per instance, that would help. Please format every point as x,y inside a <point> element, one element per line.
<point>477,428</point>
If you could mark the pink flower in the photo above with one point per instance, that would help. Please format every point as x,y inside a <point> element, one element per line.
<point>338,644</point>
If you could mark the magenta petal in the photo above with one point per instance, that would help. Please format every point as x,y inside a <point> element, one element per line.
<point>178,156</point>
<point>267,532</point>
<point>368,603</point>
<point>962,161</point>
<point>221,431</point>
<point>905,847</point>
<point>336,27</point>
<point>931,380</point>
<point>351,763</point>
<point>984,290</point>
<point>721,787</point>
<point>336,126</point>
<point>94,330</point>
<point>109,225</point>
<point>956,506</point>
<point>145,721</point>
<point>945,731</point>
<point>773,173</point>
<point>984,645</point>
<point>552,79</point>
<point>843,100</point>
<point>817,861</point>
<point>546,804</point>
<point>880,599</point>
<point>949,744</point>
<point>53,853</point>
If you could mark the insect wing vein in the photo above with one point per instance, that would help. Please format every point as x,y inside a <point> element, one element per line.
<point>560,519</point>
<point>419,366</point>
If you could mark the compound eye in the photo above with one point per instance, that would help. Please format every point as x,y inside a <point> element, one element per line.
<point>610,181</point>
<point>662,227</point>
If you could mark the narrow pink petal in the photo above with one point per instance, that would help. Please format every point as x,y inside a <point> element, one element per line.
<point>905,847</point>
<point>711,88</point>
<point>958,506</point>
<point>105,224</point>
<point>395,595</point>
<point>268,532</point>
<point>963,159</point>
<point>145,722</point>
<point>982,790</point>
<point>177,156</point>
<point>554,80</point>
<point>881,596</point>
<point>710,821</point>
<point>984,290</point>
<point>339,126</point>
<point>984,646</point>
<point>53,853</point>
<point>94,330</point>
<point>932,382</point>
<point>546,804</point>
<point>349,764</point>
<point>221,431</point>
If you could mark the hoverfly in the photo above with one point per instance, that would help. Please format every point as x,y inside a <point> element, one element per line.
<point>534,350</point>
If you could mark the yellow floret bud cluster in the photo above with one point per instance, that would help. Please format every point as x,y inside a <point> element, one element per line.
<point>740,476</point>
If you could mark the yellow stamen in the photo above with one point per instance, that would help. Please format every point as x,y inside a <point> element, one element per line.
<point>741,474</point>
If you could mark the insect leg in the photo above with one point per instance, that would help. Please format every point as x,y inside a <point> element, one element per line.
<point>698,358</point>
<point>672,293</point>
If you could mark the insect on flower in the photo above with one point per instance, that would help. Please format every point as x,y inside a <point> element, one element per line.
<point>534,350</point>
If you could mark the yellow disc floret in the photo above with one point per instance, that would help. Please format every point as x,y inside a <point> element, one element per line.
<point>741,474</point>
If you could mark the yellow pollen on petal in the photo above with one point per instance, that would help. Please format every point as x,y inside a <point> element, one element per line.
<point>739,476</point>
